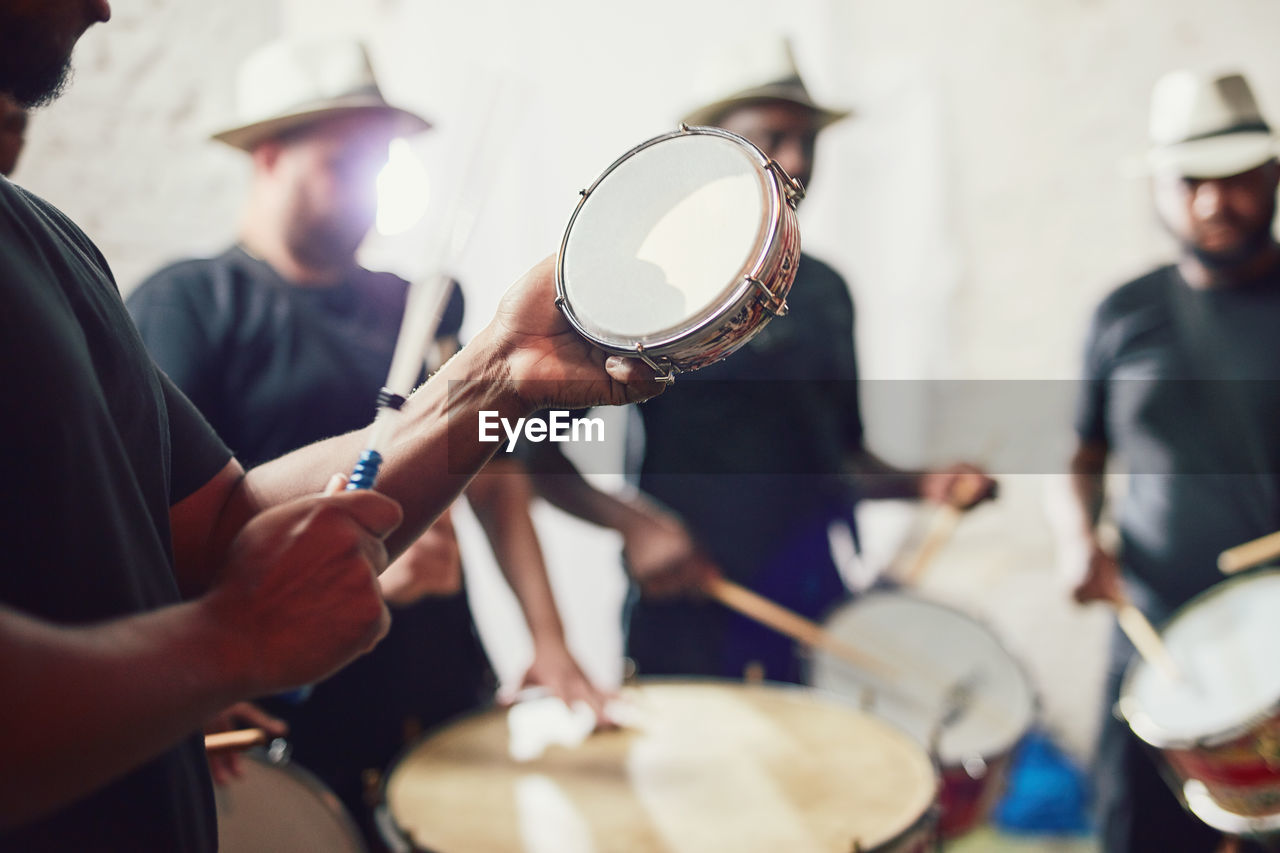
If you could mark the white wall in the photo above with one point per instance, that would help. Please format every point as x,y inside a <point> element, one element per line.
<point>977,203</point>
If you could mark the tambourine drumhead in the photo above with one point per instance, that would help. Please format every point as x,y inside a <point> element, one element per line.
<point>1224,644</point>
<point>710,767</point>
<point>666,236</point>
<point>931,649</point>
<point>282,809</point>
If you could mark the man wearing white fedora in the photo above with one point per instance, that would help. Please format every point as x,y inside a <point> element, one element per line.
<point>1202,455</point>
<point>150,581</point>
<point>757,461</point>
<point>284,339</point>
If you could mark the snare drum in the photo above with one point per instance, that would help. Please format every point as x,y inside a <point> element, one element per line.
<point>950,684</point>
<point>707,767</point>
<point>1218,729</point>
<point>681,251</point>
<point>278,807</point>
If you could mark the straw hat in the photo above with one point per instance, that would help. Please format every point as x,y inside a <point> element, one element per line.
<point>290,83</point>
<point>753,72</point>
<point>1207,125</point>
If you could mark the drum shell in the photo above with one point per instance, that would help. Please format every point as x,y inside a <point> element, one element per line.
<point>1238,765</point>
<point>1242,775</point>
<point>970,784</point>
<point>917,837</point>
<point>279,807</point>
<point>966,799</point>
<point>759,295</point>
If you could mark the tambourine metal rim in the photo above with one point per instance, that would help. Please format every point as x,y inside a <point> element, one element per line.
<point>659,346</point>
<point>1151,732</point>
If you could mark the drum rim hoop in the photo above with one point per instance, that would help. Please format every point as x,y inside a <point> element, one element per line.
<point>730,297</point>
<point>314,785</point>
<point>1024,672</point>
<point>1153,734</point>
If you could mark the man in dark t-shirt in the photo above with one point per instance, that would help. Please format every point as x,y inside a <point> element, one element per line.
<point>283,340</point>
<point>148,580</point>
<point>1180,383</point>
<point>753,464</point>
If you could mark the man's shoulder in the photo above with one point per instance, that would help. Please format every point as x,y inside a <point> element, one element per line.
<point>1137,294</point>
<point>187,278</point>
<point>27,211</point>
<point>189,270</point>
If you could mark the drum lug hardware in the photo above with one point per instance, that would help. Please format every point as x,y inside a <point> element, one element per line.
<point>560,303</point>
<point>1268,746</point>
<point>791,188</point>
<point>776,305</point>
<point>279,751</point>
<point>666,371</point>
<point>684,127</point>
<point>975,766</point>
<point>583,193</point>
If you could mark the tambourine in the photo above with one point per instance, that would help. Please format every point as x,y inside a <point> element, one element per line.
<point>681,251</point>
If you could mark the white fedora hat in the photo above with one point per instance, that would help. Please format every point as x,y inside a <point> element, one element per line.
<point>1207,125</point>
<point>749,73</point>
<point>293,82</point>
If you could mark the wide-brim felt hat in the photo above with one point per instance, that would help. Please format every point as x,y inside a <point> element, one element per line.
<point>291,83</point>
<point>1207,125</point>
<point>755,72</point>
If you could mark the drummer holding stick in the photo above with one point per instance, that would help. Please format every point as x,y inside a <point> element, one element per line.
<point>1171,386</point>
<point>755,463</point>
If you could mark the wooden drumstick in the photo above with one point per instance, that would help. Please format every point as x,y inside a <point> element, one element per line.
<point>742,600</point>
<point>941,528</point>
<point>237,740</point>
<point>1145,639</point>
<point>1250,554</point>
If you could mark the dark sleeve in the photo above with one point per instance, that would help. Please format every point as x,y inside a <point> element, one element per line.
<point>175,313</point>
<point>197,452</point>
<point>451,319</point>
<point>840,314</point>
<point>1091,397</point>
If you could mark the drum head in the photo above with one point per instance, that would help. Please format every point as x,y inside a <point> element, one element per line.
<point>1224,644</point>
<point>282,809</point>
<point>930,649</point>
<point>709,768</point>
<point>664,238</point>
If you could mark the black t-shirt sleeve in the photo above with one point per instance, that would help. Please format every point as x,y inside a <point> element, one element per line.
<point>848,399</point>
<point>173,311</point>
<point>838,319</point>
<point>197,452</point>
<point>1091,399</point>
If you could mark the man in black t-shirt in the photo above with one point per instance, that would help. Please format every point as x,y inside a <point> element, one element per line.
<point>750,463</point>
<point>148,580</point>
<point>284,339</point>
<point>1179,383</point>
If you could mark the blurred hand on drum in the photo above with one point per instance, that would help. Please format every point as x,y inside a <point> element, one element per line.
<point>552,366</point>
<point>1101,581</point>
<point>432,565</point>
<point>962,486</point>
<point>297,597</point>
<point>225,766</point>
<point>662,556</point>
<point>554,669</point>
